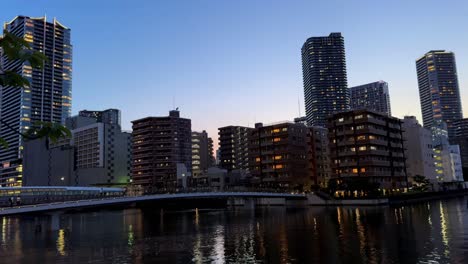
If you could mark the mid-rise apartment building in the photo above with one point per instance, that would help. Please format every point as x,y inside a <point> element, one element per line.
<point>278,156</point>
<point>162,148</point>
<point>369,144</point>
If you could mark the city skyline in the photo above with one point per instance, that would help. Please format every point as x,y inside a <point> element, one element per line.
<point>262,63</point>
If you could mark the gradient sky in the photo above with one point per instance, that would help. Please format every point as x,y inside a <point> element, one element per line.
<point>239,62</point>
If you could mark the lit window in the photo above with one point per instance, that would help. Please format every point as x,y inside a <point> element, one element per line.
<point>278,166</point>
<point>276,139</point>
<point>278,157</point>
<point>355,170</point>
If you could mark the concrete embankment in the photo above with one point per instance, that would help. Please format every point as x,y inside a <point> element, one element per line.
<point>315,200</point>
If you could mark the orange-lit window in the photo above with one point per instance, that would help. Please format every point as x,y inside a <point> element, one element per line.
<point>276,130</point>
<point>371,137</point>
<point>355,170</point>
<point>276,139</point>
<point>361,138</point>
<point>278,166</point>
<point>257,159</point>
<point>278,157</point>
<point>363,169</point>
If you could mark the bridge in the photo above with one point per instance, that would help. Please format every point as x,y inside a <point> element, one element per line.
<point>233,198</point>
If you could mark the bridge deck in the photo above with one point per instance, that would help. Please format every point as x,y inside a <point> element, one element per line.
<point>124,200</point>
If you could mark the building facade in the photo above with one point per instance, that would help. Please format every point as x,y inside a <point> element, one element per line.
<point>439,93</point>
<point>202,153</point>
<point>447,157</point>
<point>461,139</point>
<point>325,80</point>
<point>48,98</point>
<point>234,148</point>
<point>98,154</point>
<point>278,156</point>
<point>373,96</point>
<point>369,144</point>
<point>319,156</point>
<point>108,116</point>
<point>418,146</point>
<point>160,144</point>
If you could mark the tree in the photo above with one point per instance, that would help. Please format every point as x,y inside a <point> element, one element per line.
<point>18,49</point>
<point>421,183</point>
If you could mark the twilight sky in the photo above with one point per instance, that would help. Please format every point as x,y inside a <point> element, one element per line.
<point>239,62</point>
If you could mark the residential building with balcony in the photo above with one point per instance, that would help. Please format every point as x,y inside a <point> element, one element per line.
<point>365,143</point>
<point>162,146</point>
<point>278,156</point>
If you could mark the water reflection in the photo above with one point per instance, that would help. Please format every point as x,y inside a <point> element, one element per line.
<point>423,233</point>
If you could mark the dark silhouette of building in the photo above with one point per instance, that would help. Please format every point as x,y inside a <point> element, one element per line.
<point>161,145</point>
<point>324,74</point>
<point>461,139</point>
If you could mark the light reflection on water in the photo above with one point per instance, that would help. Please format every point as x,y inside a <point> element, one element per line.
<point>435,232</point>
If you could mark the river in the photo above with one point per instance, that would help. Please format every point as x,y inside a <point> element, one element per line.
<point>432,232</point>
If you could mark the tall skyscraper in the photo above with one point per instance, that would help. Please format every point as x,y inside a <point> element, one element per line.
<point>48,98</point>
<point>162,147</point>
<point>373,96</point>
<point>324,74</point>
<point>439,93</point>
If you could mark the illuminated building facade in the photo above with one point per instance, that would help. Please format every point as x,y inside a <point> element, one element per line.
<point>278,155</point>
<point>373,96</point>
<point>366,143</point>
<point>48,98</point>
<point>324,75</point>
<point>439,93</point>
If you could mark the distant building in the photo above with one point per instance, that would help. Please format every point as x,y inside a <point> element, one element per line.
<point>109,116</point>
<point>439,92</point>
<point>461,139</point>
<point>447,157</point>
<point>373,96</point>
<point>301,120</point>
<point>278,156</point>
<point>418,146</point>
<point>369,144</point>
<point>159,145</point>
<point>49,96</point>
<point>319,155</point>
<point>325,81</point>
<point>98,154</point>
<point>233,148</point>
<point>202,153</point>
